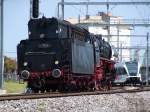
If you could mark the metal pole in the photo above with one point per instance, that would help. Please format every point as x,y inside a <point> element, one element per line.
<point>147,64</point>
<point>105,3</point>
<point>121,52</point>
<point>1,44</point>
<point>108,27</point>
<point>57,10</point>
<point>87,10</point>
<point>118,39</point>
<point>31,1</point>
<point>121,24</point>
<point>62,6</point>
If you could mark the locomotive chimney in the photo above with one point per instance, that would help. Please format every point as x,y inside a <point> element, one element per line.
<point>35,8</point>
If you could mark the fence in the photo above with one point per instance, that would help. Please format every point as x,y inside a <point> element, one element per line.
<point>11,77</point>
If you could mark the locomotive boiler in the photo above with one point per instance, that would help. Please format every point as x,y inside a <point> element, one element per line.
<point>61,56</point>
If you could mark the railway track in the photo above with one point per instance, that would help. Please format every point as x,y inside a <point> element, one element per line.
<point>57,94</point>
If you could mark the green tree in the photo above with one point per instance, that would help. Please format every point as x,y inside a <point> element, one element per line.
<point>9,65</point>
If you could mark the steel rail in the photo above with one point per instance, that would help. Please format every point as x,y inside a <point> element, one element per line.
<point>57,95</point>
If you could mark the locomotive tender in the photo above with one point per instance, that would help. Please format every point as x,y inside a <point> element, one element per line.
<point>61,56</point>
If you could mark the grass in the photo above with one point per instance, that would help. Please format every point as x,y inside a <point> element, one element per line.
<point>14,87</point>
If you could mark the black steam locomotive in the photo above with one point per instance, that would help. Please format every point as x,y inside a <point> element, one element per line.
<point>59,55</point>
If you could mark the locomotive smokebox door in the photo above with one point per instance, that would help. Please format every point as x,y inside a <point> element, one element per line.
<point>82,57</point>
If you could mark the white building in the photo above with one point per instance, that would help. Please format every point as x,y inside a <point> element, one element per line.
<point>94,25</point>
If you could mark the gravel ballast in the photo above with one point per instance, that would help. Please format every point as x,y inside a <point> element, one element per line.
<point>122,102</point>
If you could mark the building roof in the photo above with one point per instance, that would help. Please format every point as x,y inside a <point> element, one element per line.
<point>97,20</point>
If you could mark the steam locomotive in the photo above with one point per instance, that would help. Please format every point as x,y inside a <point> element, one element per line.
<point>61,56</point>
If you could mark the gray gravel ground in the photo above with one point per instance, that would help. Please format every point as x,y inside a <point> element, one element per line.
<point>133,102</point>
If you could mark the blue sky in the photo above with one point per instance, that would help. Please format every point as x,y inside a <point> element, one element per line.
<point>16,16</point>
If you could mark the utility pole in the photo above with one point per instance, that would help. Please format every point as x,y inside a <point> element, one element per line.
<point>57,10</point>
<point>118,39</point>
<point>87,10</point>
<point>108,22</point>
<point>1,44</point>
<point>147,63</point>
<point>62,9</point>
<point>121,52</point>
<point>34,8</point>
<point>31,1</point>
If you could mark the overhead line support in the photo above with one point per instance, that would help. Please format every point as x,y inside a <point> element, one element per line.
<point>104,3</point>
<point>1,44</point>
